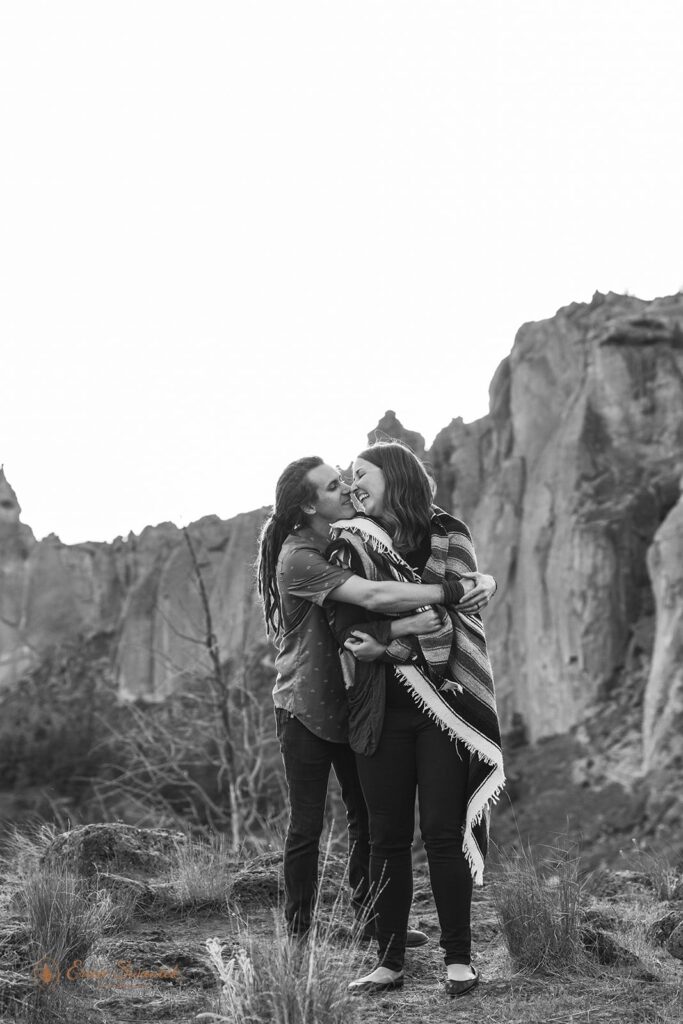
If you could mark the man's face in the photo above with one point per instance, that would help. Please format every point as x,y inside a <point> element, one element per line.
<point>333,499</point>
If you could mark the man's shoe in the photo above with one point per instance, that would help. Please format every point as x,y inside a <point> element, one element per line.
<point>365,985</point>
<point>459,988</point>
<point>413,936</point>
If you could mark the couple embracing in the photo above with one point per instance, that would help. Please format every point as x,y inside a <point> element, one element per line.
<point>383,675</point>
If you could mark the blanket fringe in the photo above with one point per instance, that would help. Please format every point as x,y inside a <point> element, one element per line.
<point>489,793</point>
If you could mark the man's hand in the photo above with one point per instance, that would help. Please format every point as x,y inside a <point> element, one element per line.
<point>363,646</point>
<point>480,588</point>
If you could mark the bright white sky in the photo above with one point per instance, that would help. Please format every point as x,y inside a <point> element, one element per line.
<point>233,233</point>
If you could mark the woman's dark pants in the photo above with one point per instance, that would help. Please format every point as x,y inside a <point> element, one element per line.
<point>414,753</point>
<point>307,760</point>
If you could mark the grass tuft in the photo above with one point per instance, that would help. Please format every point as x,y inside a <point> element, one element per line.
<point>23,849</point>
<point>665,877</point>
<point>297,981</point>
<point>539,908</point>
<point>65,915</point>
<point>288,980</point>
<point>201,871</point>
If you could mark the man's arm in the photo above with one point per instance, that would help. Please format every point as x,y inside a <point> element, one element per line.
<point>387,595</point>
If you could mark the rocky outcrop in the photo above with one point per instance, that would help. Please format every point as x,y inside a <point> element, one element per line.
<point>565,484</point>
<point>391,428</point>
<point>164,621</point>
<point>144,589</point>
<point>663,704</point>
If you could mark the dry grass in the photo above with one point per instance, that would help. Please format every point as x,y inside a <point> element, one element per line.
<point>24,848</point>
<point>534,970</point>
<point>539,908</point>
<point>200,872</point>
<point>658,866</point>
<point>598,1000</point>
<point>284,980</point>
<point>288,980</point>
<point>65,915</point>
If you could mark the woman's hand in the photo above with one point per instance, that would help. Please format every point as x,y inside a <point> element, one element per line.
<point>480,588</point>
<point>427,621</point>
<point>363,646</point>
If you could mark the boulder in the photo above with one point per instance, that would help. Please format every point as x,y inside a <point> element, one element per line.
<point>88,849</point>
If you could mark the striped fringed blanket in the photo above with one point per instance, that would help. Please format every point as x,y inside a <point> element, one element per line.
<point>458,691</point>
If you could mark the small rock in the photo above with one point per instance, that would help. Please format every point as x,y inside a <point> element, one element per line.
<point>660,929</point>
<point>605,920</point>
<point>606,950</point>
<point>674,944</point>
<point>608,883</point>
<point>261,886</point>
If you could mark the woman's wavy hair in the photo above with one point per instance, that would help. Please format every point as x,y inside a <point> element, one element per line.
<point>292,490</point>
<point>407,495</point>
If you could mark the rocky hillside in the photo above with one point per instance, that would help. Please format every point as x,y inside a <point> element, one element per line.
<point>142,589</point>
<point>571,485</point>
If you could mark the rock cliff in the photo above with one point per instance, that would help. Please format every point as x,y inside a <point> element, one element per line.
<point>570,484</point>
<point>142,590</point>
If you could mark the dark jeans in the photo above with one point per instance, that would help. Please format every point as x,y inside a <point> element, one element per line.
<point>308,760</point>
<point>415,754</point>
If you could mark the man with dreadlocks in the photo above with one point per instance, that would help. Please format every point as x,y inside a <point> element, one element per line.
<point>294,582</point>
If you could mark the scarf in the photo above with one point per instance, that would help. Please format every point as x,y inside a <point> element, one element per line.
<point>457,689</point>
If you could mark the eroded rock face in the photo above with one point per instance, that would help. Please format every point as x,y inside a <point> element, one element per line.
<point>143,588</point>
<point>564,484</point>
<point>663,705</point>
<point>164,621</point>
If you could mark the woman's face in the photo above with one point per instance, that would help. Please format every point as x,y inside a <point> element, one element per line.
<point>369,486</point>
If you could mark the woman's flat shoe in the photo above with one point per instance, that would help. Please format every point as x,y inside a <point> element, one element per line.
<point>376,986</point>
<point>459,988</point>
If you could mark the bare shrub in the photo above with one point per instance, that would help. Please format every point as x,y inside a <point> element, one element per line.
<point>206,758</point>
<point>50,726</point>
<point>174,763</point>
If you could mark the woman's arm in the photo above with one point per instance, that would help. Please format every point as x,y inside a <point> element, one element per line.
<point>364,643</point>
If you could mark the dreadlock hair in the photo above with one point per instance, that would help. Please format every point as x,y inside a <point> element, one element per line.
<point>292,490</point>
<point>407,495</point>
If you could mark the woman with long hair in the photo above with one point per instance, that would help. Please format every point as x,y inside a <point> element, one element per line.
<point>422,710</point>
